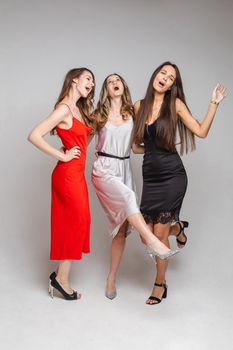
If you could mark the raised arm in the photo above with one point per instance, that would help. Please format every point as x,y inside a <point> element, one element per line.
<point>58,116</point>
<point>201,129</point>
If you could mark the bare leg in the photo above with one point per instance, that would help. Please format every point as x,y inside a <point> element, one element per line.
<point>63,273</point>
<point>138,222</point>
<point>174,230</point>
<point>162,232</point>
<point>117,249</point>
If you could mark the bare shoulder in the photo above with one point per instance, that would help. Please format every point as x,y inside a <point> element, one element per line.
<point>60,113</point>
<point>62,110</point>
<point>179,105</point>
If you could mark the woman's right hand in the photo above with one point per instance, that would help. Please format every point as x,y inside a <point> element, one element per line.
<point>72,153</point>
<point>218,94</point>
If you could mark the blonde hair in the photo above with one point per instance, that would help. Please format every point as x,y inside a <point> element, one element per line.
<point>101,112</point>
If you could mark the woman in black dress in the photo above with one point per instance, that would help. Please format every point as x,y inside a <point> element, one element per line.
<point>161,117</point>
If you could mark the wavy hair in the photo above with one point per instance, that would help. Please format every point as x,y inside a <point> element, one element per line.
<point>85,105</point>
<point>101,112</point>
<point>168,122</point>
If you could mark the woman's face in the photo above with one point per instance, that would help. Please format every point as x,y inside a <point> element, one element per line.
<point>84,83</point>
<point>164,79</point>
<point>115,86</point>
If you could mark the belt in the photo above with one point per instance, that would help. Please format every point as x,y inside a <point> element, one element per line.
<point>111,155</point>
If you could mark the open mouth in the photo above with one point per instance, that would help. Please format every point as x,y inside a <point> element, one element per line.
<point>116,88</point>
<point>161,84</point>
<point>88,89</point>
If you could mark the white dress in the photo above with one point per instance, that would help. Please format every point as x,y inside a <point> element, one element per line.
<point>112,177</point>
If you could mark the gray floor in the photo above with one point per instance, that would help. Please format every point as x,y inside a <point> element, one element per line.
<point>197,314</point>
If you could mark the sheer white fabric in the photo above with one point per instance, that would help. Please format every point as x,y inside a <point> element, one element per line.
<point>112,178</point>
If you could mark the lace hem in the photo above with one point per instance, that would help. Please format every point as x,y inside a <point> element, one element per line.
<point>162,218</point>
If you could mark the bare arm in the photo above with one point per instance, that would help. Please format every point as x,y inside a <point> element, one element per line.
<point>58,116</point>
<point>138,149</point>
<point>201,129</point>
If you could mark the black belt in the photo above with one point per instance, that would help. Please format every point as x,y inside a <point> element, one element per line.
<point>111,155</point>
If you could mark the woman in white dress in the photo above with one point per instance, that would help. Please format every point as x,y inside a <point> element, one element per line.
<point>112,174</point>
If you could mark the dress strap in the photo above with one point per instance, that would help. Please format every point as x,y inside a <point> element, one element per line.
<point>62,103</point>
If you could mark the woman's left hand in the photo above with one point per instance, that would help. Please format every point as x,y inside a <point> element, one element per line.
<point>219,93</point>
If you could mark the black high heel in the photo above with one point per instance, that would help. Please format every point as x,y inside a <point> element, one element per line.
<point>53,275</point>
<point>156,300</point>
<point>182,226</point>
<point>55,284</point>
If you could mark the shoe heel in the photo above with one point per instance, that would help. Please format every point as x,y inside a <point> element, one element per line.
<point>185,223</point>
<point>55,284</point>
<point>165,292</point>
<point>51,289</point>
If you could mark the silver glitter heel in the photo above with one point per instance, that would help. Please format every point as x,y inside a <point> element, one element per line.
<point>51,289</point>
<point>153,254</point>
<point>111,295</point>
<point>51,277</point>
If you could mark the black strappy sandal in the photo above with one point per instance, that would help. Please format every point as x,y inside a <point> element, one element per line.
<point>182,226</point>
<point>156,300</point>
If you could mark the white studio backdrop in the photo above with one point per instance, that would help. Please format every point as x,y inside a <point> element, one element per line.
<point>40,42</point>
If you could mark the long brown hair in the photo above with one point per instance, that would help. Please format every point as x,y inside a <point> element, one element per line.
<point>85,105</point>
<point>101,112</point>
<point>167,123</point>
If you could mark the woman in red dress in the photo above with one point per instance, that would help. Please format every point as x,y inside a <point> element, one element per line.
<point>70,214</point>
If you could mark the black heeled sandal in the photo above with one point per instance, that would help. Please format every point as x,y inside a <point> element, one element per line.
<point>182,226</point>
<point>156,300</point>
<point>53,283</point>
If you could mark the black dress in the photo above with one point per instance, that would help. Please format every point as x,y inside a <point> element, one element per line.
<point>164,181</point>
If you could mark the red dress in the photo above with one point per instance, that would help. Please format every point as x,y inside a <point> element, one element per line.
<point>70,213</point>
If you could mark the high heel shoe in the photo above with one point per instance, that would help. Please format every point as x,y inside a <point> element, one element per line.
<point>153,254</point>
<point>156,300</point>
<point>182,225</point>
<point>52,276</point>
<point>111,295</point>
<point>55,284</point>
